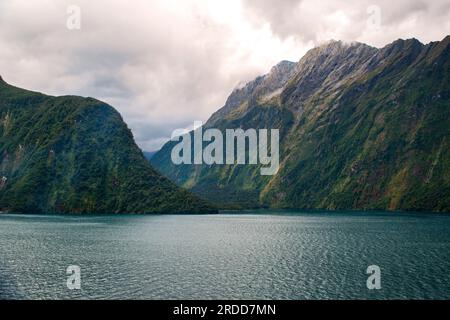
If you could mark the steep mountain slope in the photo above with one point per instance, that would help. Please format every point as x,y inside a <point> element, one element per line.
<point>361,128</point>
<point>75,155</point>
<point>234,186</point>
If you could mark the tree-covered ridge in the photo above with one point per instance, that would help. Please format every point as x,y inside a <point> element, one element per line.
<point>361,128</point>
<point>76,155</point>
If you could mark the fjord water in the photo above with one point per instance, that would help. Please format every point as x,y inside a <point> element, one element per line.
<point>251,255</point>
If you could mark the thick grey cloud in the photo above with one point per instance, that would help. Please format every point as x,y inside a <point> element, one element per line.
<point>318,21</point>
<point>165,63</point>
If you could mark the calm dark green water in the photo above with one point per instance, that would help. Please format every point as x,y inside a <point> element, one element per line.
<point>272,255</point>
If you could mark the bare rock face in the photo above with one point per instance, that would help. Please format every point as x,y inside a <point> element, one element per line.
<point>324,70</point>
<point>262,88</point>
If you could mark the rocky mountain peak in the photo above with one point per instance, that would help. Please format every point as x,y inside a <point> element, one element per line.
<point>279,75</point>
<point>283,66</point>
<point>406,42</point>
<point>334,47</point>
<point>326,68</point>
<point>263,87</point>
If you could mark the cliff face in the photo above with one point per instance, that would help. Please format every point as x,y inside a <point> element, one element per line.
<point>262,88</point>
<point>76,155</point>
<point>361,128</point>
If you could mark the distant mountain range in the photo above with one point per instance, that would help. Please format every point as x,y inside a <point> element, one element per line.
<point>149,154</point>
<point>76,155</point>
<point>360,128</point>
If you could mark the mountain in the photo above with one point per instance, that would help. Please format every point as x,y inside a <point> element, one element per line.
<point>149,154</point>
<point>360,128</point>
<point>76,155</point>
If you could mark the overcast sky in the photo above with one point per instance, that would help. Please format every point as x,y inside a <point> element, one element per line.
<point>164,63</point>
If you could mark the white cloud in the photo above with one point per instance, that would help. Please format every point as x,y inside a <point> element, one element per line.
<point>165,63</point>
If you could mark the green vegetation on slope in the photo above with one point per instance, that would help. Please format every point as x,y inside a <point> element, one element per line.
<point>76,155</point>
